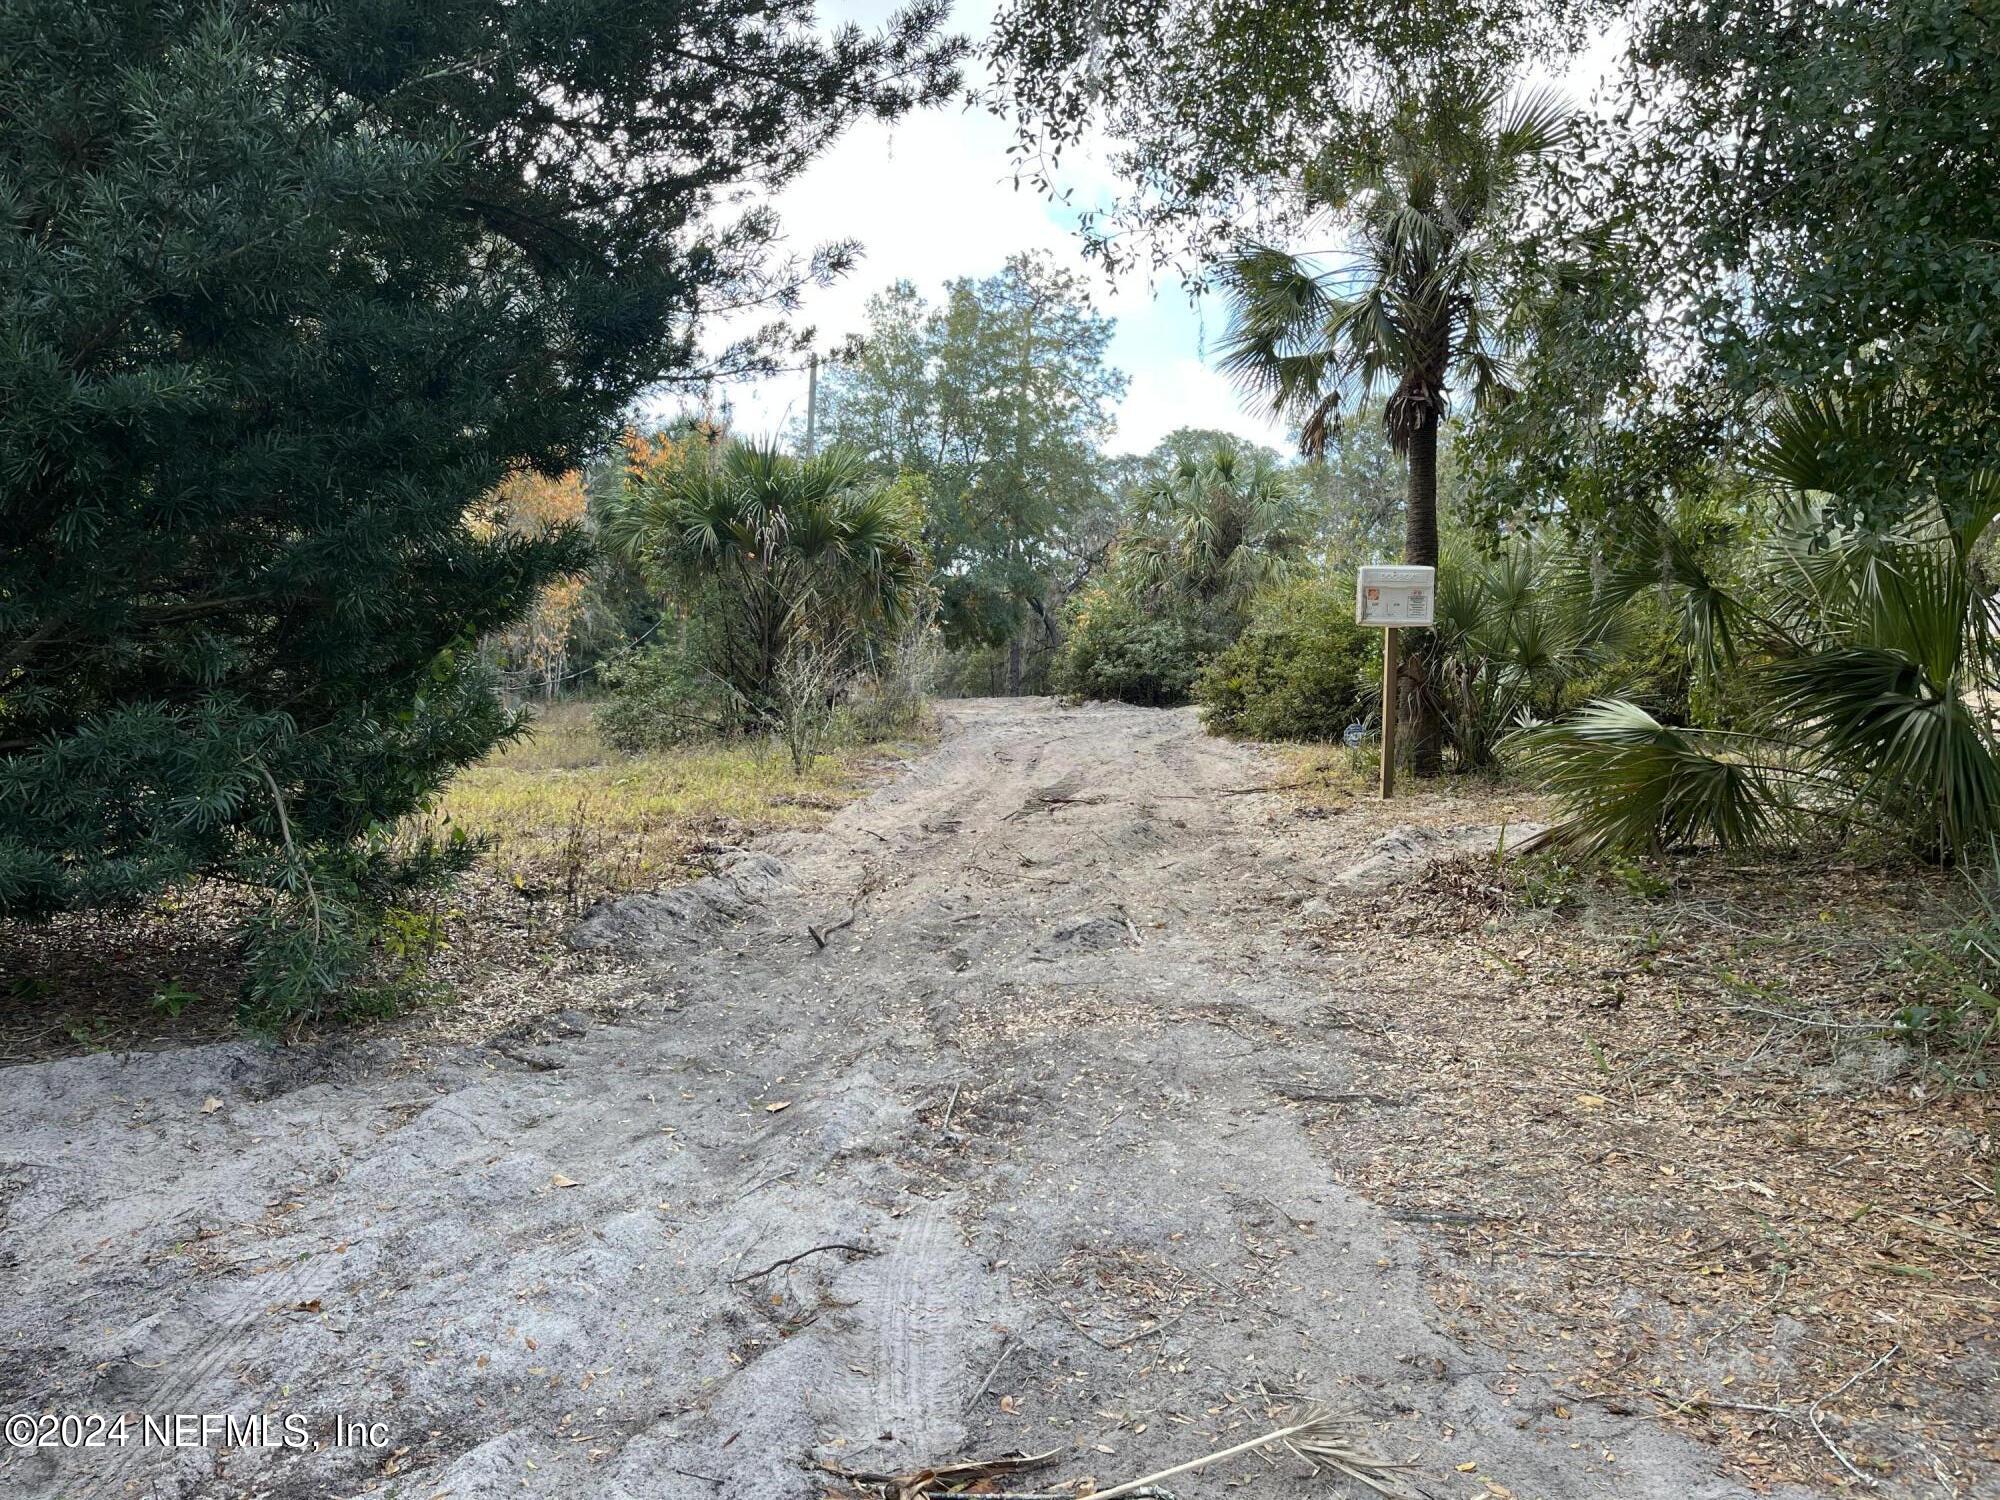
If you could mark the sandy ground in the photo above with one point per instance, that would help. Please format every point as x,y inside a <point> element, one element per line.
<point>1024,1128</point>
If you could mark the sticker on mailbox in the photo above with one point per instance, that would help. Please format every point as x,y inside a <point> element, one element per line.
<point>1395,596</point>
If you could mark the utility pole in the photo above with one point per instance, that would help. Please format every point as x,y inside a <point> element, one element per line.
<point>709,431</point>
<point>812,404</point>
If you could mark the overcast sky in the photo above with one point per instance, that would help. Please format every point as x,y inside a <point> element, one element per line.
<point>931,198</point>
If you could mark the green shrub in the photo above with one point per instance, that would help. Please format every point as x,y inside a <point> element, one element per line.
<point>1302,671</point>
<point>664,696</point>
<point>1647,664</point>
<point>1116,649</point>
<point>893,702</point>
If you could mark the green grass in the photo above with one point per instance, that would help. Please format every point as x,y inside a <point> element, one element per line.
<point>1325,777</point>
<point>561,807</point>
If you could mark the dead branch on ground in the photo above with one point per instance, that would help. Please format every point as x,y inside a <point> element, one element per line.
<point>854,1252</point>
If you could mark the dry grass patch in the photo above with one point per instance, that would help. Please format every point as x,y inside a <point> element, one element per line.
<point>1663,1130</point>
<point>1324,779</point>
<point>569,820</point>
<point>567,814</point>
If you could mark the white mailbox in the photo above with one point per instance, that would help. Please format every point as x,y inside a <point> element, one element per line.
<point>1395,596</point>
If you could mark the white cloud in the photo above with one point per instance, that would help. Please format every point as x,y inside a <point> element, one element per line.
<point>1186,393</point>
<point>932,198</point>
<point>927,200</point>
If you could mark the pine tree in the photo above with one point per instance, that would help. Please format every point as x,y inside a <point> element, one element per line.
<point>285,286</point>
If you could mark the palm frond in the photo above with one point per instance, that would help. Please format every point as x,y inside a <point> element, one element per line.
<point>1321,425</point>
<point>1653,554</point>
<point>1630,783</point>
<point>1280,310</point>
<point>1536,124</point>
<point>1907,745</point>
<point>1403,313</point>
<point>1827,443</point>
<point>1976,509</point>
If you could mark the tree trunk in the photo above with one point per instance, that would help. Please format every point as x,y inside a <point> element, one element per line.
<point>1420,548</point>
<point>1014,666</point>
<point>1420,512</point>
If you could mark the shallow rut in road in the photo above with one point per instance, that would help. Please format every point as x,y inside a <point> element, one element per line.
<point>1007,1161</point>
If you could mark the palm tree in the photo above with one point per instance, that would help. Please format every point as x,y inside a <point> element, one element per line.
<point>1413,307</point>
<point>812,552</point>
<point>1216,529</point>
<point>1870,653</point>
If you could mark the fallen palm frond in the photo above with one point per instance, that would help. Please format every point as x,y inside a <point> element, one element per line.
<point>944,1479</point>
<point>1323,1448</point>
<point>1319,1437</point>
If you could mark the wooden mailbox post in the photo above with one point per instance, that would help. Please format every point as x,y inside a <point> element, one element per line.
<point>1392,599</point>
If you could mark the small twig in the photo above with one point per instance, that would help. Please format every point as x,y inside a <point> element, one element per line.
<point>1159,1325</point>
<point>1302,1225</point>
<point>1113,1345</point>
<point>821,934</point>
<point>1809,1417</point>
<point>1447,1216</point>
<point>857,1251</point>
<point>1311,1439</point>
<point>950,1105</point>
<point>1817,1023</point>
<point>1549,1252</point>
<point>1812,1412</point>
<point>766,1182</point>
<point>992,1374</point>
<point>1321,1096</point>
<point>1784,1276</point>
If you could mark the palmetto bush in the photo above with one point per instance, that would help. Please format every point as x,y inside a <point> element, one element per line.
<point>780,555</point>
<point>1868,655</point>
<point>1514,631</point>
<point>1216,530</point>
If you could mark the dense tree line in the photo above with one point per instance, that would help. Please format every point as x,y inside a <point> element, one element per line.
<point>321,320</point>
<point>998,399</point>
<point>285,289</point>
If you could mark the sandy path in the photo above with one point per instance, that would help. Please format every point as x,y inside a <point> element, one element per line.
<point>1071,937</point>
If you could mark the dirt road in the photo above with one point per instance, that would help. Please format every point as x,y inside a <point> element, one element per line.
<point>968,1124</point>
